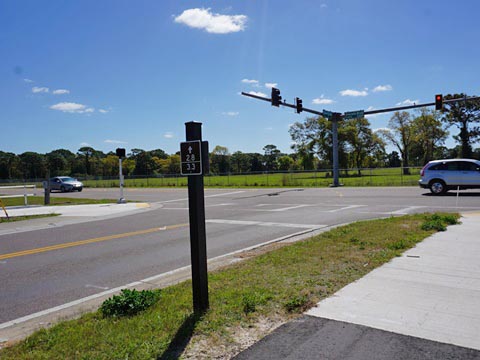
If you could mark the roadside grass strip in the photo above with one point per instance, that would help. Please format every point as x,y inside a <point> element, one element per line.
<point>39,200</point>
<point>21,218</point>
<point>367,177</point>
<point>273,284</point>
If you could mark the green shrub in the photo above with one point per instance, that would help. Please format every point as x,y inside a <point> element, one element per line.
<point>439,222</point>
<point>129,302</point>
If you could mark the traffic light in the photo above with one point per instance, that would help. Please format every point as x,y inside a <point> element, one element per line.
<point>120,152</point>
<point>299,105</point>
<point>276,98</point>
<point>438,102</point>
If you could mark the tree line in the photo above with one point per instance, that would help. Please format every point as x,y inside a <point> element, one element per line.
<point>416,137</point>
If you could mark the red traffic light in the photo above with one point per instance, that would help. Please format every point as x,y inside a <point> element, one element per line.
<point>438,102</point>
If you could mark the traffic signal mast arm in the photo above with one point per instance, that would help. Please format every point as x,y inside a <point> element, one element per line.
<point>284,103</point>
<point>414,106</point>
<point>371,112</point>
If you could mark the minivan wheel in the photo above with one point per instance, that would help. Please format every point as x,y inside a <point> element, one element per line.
<point>438,187</point>
<point>62,188</point>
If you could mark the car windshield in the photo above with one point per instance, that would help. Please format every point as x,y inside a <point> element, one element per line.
<point>67,179</point>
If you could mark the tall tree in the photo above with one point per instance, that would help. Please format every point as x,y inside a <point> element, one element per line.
<point>86,152</point>
<point>271,156</point>
<point>428,135</point>
<point>361,141</point>
<point>10,167</point>
<point>144,163</point>
<point>220,160</point>
<point>465,115</point>
<point>33,165</point>
<point>400,133</point>
<point>60,162</point>
<point>240,162</point>
<point>314,136</point>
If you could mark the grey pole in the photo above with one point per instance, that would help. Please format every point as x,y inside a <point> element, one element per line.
<point>121,200</point>
<point>335,118</point>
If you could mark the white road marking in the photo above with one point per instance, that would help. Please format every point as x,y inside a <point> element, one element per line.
<point>261,223</point>
<point>96,287</point>
<point>207,196</point>
<point>346,208</point>
<point>290,207</point>
<point>406,210</point>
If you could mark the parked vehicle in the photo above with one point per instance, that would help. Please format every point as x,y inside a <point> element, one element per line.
<point>65,183</point>
<point>442,175</point>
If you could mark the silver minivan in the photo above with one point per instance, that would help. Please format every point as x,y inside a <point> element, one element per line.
<point>442,175</point>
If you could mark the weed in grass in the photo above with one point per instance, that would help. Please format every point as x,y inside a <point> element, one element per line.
<point>398,245</point>
<point>129,302</point>
<point>297,304</point>
<point>434,225</point>
<point>439,222</point>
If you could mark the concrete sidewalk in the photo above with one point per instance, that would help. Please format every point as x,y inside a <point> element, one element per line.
<point>422,305</point>
<point>67,215</point>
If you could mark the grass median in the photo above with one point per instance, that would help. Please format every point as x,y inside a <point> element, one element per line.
<point>271,286</point>
<point>39,200</point>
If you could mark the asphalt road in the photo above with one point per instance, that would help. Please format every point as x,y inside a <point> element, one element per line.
<point>113,252</point>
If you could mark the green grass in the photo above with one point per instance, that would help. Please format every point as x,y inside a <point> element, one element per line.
<point>21,218</point>
<point>39,200</point>
<point>276,284</point>
<point>368,177</point>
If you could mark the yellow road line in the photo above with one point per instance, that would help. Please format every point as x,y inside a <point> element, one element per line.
<point>88,241</point>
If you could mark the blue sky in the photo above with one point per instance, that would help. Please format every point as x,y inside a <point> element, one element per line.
<point>129,74</point>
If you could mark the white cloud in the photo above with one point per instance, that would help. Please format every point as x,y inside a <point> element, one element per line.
<point>115,142</point>
<point>354,93</point>
<point>380,88</point>
<point>231,113</point>
<point>210,22</point>
<point>72,108</point>
<point>322,101</point>
<point>28,81</point>
<point>407,102</point>
<point>168,135</point>
<point>257,93</point>
<point>103,111</point>
<point>270,85</point>
<point>85,144</point>
<point>60,91</point>
<point>269,128</point>
<point>248,81</point>
<point>37,90</point>
<point>381,129</point>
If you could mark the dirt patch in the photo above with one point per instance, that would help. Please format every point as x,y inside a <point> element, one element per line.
<point>239,338</point>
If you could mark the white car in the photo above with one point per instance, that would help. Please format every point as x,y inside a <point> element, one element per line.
<point>442,175</point>
<point>65,183</point>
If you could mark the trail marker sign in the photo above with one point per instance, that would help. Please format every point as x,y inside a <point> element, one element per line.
<point>191,157</point>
